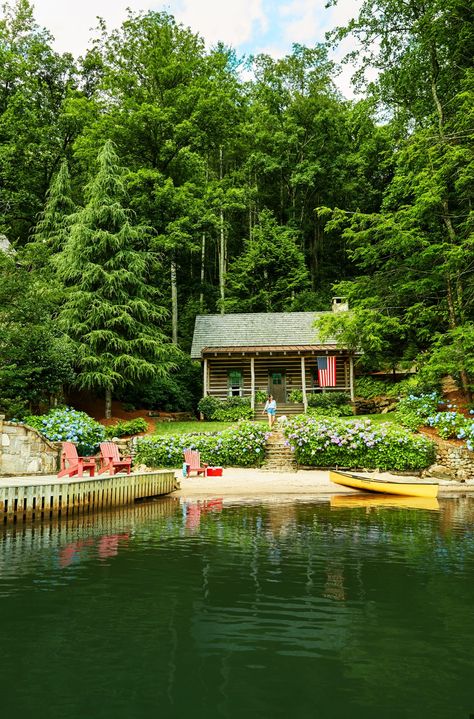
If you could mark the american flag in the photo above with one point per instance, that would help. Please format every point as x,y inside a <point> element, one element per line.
<point>327,371</point>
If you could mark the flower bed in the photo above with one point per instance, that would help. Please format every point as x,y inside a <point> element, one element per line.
<point>414,410</point>
<point>239,446</point>
<point>64,424</point>
<point>357,444</point>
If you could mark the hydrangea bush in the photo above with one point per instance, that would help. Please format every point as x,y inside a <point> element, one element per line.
<point>414,410</point>
<point>225,410</point>
<point>467,433</point>
<point>357,444</point>
<point>239,446</point>
<point>448,424</point>
<point>64,424</point>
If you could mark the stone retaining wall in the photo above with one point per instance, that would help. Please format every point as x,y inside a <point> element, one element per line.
<point>24,451</point>
<point>452,462</point>
<point>376,405</point>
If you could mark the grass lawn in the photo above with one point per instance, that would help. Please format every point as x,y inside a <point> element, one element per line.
<point>378,418</point>
<point>170,428</point>
<point>185,427</point>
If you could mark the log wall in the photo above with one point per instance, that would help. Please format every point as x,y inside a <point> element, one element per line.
<point>219,367</point>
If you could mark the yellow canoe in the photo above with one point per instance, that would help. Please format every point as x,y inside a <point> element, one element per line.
<point>349,501</point>
<point>404,488</point>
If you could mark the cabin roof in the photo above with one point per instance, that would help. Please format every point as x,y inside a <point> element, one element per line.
<point>254,331</point>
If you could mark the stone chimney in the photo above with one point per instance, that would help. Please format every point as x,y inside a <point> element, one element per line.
<point>340,304</point>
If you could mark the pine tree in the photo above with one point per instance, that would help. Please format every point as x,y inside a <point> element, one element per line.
<point>270,272</point>
<point>53,224</point>
<point>111,311</point>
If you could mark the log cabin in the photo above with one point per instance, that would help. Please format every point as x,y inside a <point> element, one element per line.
<point>275,353</point>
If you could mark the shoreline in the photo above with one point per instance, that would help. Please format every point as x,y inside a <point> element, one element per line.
<point>250,483</point>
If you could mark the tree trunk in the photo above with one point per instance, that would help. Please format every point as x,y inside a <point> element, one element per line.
<point>108,403</point>
<point>174,303</point>
<point>203,265</point>
<point>222,244</point>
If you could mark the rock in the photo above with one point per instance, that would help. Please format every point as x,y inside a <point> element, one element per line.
<point>439,471</point>
<point>391,408</point>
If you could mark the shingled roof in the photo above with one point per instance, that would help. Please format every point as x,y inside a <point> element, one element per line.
<point>257,330</point>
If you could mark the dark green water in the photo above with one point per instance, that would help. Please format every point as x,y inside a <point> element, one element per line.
<point>265,610</point>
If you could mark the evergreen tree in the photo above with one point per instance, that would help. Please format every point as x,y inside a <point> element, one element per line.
<point>111,311</point>
<point>271,271</point>
<point>53,224</point>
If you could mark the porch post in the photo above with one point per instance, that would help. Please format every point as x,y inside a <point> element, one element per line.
<point>205,382</point>
<point>303,384</point>
<point>252,383</point>
<point>351,377</point>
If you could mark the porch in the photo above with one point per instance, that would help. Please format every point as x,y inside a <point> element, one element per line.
<point>290,375</point>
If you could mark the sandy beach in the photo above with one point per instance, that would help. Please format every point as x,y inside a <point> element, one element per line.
<point>250,483</point>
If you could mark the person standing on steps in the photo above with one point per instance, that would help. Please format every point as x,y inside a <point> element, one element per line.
<point>270,408</point>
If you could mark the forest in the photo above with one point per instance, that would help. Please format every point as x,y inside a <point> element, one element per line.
<point>154,179</point>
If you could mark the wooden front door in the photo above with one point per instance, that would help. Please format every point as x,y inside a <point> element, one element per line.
<point>277,385</point>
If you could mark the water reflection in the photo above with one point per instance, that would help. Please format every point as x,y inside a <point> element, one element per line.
<point>369,501</point>
<point>222,609</point>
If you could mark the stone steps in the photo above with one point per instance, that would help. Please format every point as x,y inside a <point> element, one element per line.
<point>278,456</point>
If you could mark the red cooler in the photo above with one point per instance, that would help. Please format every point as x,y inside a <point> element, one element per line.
<point>214,472</point>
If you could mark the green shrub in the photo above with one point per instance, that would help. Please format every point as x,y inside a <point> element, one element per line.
<point>448,424</point>
<point>226,410</point>
<point>369,387</point>
<point>414,410</point>
<point>357,444</point>
<point>64,424</point>
<point>239,446</point>
<point>180,391</point>
<point>296,395</point>
<point>126,428</point>
<point>261,396</point>
<point>328,400</point>
<point>208,406</point>
<point>344,410</point>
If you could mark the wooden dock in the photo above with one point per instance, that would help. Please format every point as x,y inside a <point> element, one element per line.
<point>45,497</point>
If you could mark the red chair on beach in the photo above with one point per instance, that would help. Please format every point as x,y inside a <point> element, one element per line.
<point>193,460</point>
<point>111,461</point>
<point>72,464</point>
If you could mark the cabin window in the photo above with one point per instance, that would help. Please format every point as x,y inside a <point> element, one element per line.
<point>235,383</point>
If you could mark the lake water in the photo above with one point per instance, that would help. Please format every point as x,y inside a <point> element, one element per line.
<point>280,609</point>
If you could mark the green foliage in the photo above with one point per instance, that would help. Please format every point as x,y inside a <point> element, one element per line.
<point>227,410</point>
<point>64,424</point>
<point>111,311</point>
<point>448,424</point>
<point>261,396</point>
<point>342,411</point>
<point>239,446</point>
<point>357,444</point>
<point>208,406</point>
<point>180,391</point>
<point>413,411</point>
<point>223,177</point>
<point>329,404</point>
<point>53,225</point>
<point>125,428</point>
<point>270,271</point>
<point>369,387</point>
<point>296,395</point>
<point>328,400</point>
<point>36,358</point>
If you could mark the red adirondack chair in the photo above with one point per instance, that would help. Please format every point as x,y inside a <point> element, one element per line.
<point>72,464</point>
<point>193,460</point>
<point>111,461</point>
